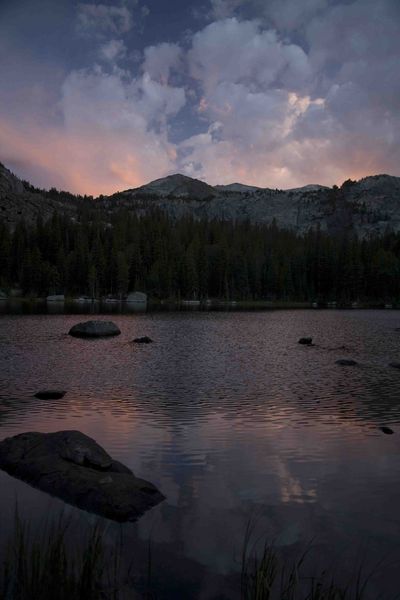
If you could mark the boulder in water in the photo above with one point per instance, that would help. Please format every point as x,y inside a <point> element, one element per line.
<point>306,341</point>
<point>94,329</point>
<point>73,467</point>
<point>346,362</point>
<point>386,430</point>
<point>142,340</point>
<point>50,394</point>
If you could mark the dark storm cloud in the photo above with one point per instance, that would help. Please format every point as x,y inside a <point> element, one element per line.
<point>109,94</point>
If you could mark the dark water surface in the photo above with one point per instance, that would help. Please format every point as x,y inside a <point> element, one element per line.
<point>231,419</point>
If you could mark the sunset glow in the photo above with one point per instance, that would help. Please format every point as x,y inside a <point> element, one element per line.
<point>246,90</point>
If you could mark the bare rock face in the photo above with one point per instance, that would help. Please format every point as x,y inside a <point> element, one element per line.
<point>94,329</point>
<point>73,467</point>
<point>19,200</point>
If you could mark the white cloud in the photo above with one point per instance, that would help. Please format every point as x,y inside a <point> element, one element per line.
<point>161,59</point>
<point>241,52</point>
<point>287,117</point>
<point>125,121</point>
<point>252,87</point>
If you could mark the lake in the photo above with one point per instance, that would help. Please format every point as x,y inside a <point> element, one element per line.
<point>233,420</point>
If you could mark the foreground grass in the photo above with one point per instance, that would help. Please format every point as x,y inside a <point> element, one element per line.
<point>49,567</point>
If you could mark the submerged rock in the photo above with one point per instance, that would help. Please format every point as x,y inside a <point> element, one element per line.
<point>386,430</point>
<point>73,467</point>
<point>395,365</point>
<point>50,394</point>
<point>94,329</point>
<point>346,362</point>
<point>142,340</point>
<point>306,341</point>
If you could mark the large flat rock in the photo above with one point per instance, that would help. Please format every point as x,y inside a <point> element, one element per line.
<point>73,467</point>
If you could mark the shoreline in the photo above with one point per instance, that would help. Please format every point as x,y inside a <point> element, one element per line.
<point>99,305</point>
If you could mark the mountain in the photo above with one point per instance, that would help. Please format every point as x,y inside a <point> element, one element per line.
<point>368,206</point>
<point>177,186</point>
<point>18,199</point>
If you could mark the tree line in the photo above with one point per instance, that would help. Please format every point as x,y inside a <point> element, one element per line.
<point>99,254</point>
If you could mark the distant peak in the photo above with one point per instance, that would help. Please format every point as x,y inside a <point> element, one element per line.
<point>177,185</point>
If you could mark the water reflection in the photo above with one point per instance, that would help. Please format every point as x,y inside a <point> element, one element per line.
<point>229,417</point>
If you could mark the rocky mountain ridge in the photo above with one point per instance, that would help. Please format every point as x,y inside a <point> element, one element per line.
<point>368,206</point>
<point>19,200</point>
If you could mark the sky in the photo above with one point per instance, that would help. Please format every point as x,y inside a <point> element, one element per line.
<point>97,97</point>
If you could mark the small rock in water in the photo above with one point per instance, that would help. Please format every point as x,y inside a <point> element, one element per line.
<point>346,362</point>
<point>94,329</point>
<point>395,365</point>
<point>50,394</point>
<point>386,430</point>
<point>306,341</point>
<point>142,340</point>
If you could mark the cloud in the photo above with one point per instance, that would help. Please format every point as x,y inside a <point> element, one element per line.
<point>279,115</point>
<point>103,19</point>
<point>252,86</point>
<point>112,51</point>
<point>283,15</point>
<point>161,59</point>
<point>289,15</point>
<point>241,52</point>
<point>220,9</point>
<point>113,133</point>
<point>275,100</point>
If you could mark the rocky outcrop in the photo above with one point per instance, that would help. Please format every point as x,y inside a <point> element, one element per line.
<point>94,329</point>
<point>73,467</point>
<point>19,200</point>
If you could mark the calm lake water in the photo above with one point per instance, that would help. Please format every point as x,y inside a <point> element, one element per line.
<point>233,420</point>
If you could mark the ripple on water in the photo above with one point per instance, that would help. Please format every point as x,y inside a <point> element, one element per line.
<point>227,414</point>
